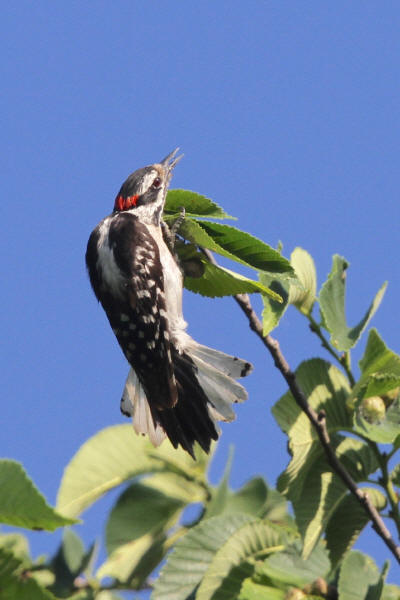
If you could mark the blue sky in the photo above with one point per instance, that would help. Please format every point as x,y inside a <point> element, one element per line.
<point>287,113</point>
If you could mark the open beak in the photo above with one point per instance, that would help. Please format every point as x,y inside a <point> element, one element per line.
<point>170,161</point>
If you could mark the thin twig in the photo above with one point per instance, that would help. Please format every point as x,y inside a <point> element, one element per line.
<point>318,420</point>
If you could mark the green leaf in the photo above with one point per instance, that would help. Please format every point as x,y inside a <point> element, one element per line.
<point>132,562</point>
<point>275,508</point>
<point>290,568</point>
<point>358,577</point>
<point>250,499</point>
<point>244,248</point>
<point>380,368</point>
<point>140,510</point>
<point>303,297</point>
<point>177,487</point>
<point>192,555</point>
<point>254,591</point>
<point>21,503</point>
<point>325,388</point>
<point>14,584</point>
<point>195,205</point>
<point>376,592</point>
<point>254,498</point>
<point>300,292</point>
<point>395,475</point>
<point>17,544</point>
<point>273,310</point>
<point>73,552</point>
<point>115,455</point>
<point>105,595</point>
<point>378,358</point>
<point>217,281</point>
<point>219,494</point>
<point>69,561</point>
<point>347,522</point>
<point>385,431</point>
<point>234,561</point>
<point>332,305</point>
<point>324,490</point>
<point>391,592</point>
<point>308,481</point>
<point>380,375</point>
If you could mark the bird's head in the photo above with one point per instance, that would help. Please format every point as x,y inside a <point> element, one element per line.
<point>145,190</point>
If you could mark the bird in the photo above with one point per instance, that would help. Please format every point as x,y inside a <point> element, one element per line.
<point>176,387</point>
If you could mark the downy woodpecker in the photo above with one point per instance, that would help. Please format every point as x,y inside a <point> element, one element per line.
<point>176,388</point>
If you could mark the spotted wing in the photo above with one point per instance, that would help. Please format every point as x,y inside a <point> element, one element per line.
<point>138,317</point>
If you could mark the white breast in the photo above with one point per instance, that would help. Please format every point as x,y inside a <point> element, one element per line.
<point>111,275</point>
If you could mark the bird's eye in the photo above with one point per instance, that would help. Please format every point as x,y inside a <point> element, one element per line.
<point>157,182</point>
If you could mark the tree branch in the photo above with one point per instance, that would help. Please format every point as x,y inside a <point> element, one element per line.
<point>318,421</point>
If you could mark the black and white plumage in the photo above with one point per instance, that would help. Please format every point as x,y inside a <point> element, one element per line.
<point>176,388</point>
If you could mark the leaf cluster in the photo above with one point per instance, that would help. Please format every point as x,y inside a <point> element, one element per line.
<point>213,542</point>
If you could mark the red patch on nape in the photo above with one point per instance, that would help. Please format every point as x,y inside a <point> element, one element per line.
<point>119,203</point>
<point>122,203</point>
<point>131,201</point>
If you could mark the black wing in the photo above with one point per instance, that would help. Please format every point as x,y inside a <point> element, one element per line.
<point>136,310</point>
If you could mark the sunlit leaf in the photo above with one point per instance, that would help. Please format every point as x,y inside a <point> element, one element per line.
<point>358,577</point>
<point>384,431</point>
<point>332,305</point>
<point>177,487</point>
<point>254,591</point>
<point>113,456</point>
<point>218,281</point>
<point>379,365</point>
<point>325,388</point>
<point>195,205</point>
<point>378,358</point>
<point>237,245</point>
<point>303,296</point>
<point>299,291</point>
<point>380,375</point>
<point>233,561</point>
<point>289,566</point>
<point>273,310</point>
<point>21,503</point>
<point>309,481</point>
<point>391,592</point>
<point>193,554</point>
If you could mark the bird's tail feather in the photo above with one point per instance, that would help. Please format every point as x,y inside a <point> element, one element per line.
<point>206,392</point>
<point>230,365</point>
<point>134,404</point>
